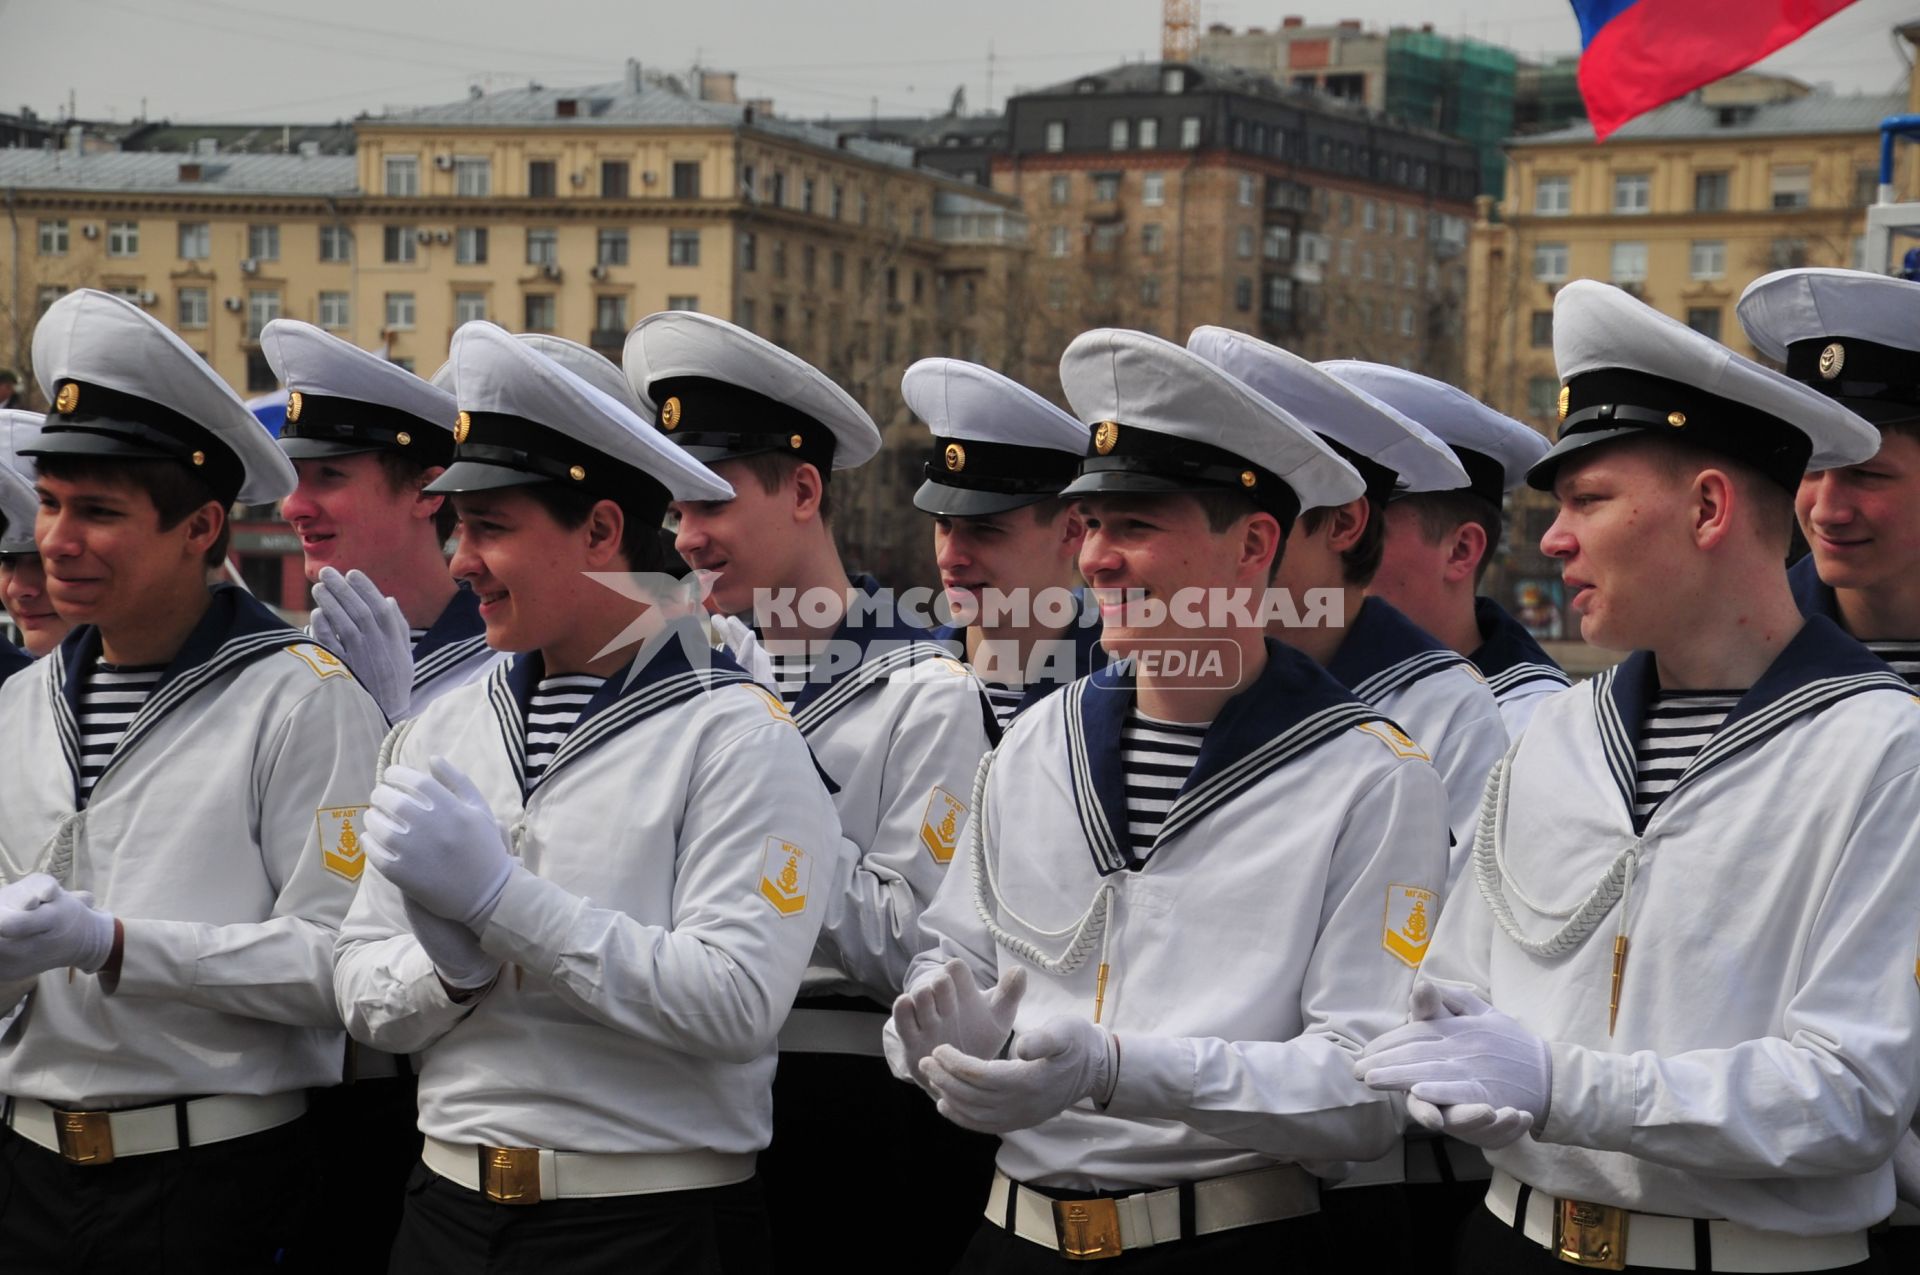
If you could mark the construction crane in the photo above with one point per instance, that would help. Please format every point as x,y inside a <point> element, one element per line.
<point>1179,28</point>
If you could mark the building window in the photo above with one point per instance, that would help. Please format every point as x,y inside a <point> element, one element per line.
<point>1550,262</point>
<point>610,315</point>
<point>334,314</point>
<point>749,251</point>
<point>263,243</point>
<point>684,301</point>
<point>1249,190</point>
<point>779,259</point>
<point>472,177</point>
<point>1148,132</point>
<point>837,270</point>
<point>193,307</point>
<point>53,238</point>
<point>541,180</point>
<point>263,307</point>
<point>1543,396</point>
<point>1056,135</point>
<point>1369,215</point>
<point>196,241</point>
<point>1553,196</point>
<point>1153,189</point>
<point>613,179</point>
<point>1792,186</point>
<point>1366,263</point>
<point>749,191</point>
<point>123,239</point>
<point>1409,274</point>
<point>1788,254</point>
<point>1409,223</point>
<point>1406,320</point>
<point>1632,193</point>
<point>1708,260</point>
<point>402,175</point>
<point>1346,256</point>
<point>1542,329</point>
<point>1059,189</point>
<point>686,179</point>
<point>1243,243</point>
<point>744,315</point>
<point>469,307</point>
<point>1189,132</point>
<point>1705,320</point>
<point>1277,243</point>
<point>399,311</point>
<point>47,294</point>
<point>1866,186</point>
<point>543,246</point>
<point>837,202</point>
<point>336,243</point>
<point>611,248</point>
<point>1153,237</point>
<point>1629,263</point>
<point>470,245</point>
<point>807,187</point>
<point>1243,293</point>
<point>539,312</point>
<point>1710,191</point>
<point>683,247</point>
<point>1106,237</point>
<point>1106,187</point>
<point>777,188</point>
<point>396,244</point>
<point>1057,243</point>
<point>1118,134</point>
<point>1279,294</point>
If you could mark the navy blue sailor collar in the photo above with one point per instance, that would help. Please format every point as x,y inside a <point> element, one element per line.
<point>1811,594</point>
<point>456,635</point>
<point>12,660</point>
<point>884,640</point>
<point>1086,656</point>
<point>1508,654</point>
<point>1292,706</point>
<point>1384,651</point>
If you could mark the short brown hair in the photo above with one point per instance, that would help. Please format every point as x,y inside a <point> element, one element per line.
<point>404,474</point>
<point>772,470</point>
<point>639,532</point>
<point>1359,564</point>
<point>175,490</point>
<point>1442,512</point>
<point>1772,503</point>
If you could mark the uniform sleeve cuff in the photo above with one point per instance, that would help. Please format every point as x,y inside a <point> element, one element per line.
<point>531,922</point>
<point>157,958</point>
<point>1592,1102</point>
<point>1156,1076</point>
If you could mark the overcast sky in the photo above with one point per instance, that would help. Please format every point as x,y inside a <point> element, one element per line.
<point>296,61</point>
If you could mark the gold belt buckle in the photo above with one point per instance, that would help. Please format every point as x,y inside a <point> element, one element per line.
<point>86,1137</point>
<point>1591,1235</point>
<point>510,1175</point>
<point>1088,1229</point>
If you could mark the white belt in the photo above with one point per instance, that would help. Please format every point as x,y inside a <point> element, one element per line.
<point>100,1137</point>
<point>528,1175</point>
<point>1108,1227</point>
<point>832,1031</point>
<point>1652,1239</point>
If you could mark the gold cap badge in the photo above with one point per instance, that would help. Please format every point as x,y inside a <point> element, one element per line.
<point>794,442</point>
<point>294,402</point>
<point>199,458</point>
<point>577,473</point>
<point>462,426</point>
<point>1566,394</point>
<point>670,413</point>
<point>956,457</point>
<point>69,398</point>
<point>403,438</point>
<point>1247,478</point>
<point>1676,419</point>
<point>1105,435</point>
<point>1832,359</point>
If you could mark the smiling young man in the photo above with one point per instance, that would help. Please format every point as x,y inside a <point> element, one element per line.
<point>1439,543</point>
<point>597,875</point>
<point>1677,1003</point>
<point>1168,944</point>
<point>1430,691</point>
<point>181,795</point>
<point>23,582</point>
<point>1004,539</point>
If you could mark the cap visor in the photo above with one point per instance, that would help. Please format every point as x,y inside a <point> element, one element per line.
<point>1133,481</point>
<point>473,475</point>
<point>313,448</point>
<point>943,501</point>
<point>1540,477</point>
<point>57,442</point>
<point>1880,412</point>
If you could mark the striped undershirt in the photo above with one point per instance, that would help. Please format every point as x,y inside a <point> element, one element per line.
<point>553,711</point>
<point>1904,656</point>
<point>791,673</point>
<point>112,697</point>
<point>1678,725</point>
<point>1005,700</point>
<point>1156,758</point>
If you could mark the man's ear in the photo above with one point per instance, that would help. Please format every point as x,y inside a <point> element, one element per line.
<point>1464,552</point>
<point>604,529</point>
<point>809,489</point>
<point>1347,523</point>
<point>203,527</point>
<point>1715,496</point>
<point>427,504</point>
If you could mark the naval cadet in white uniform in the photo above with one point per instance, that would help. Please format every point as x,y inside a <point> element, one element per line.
<point>1168,940</point>
<point>1675,993</point>
<point>896,724</point>
<point>1440,543</point>
<point>1004,539</point>
<point>1429,690</point>
<point>598,874</point>
<point>184,797</point>
<point>22,582</point>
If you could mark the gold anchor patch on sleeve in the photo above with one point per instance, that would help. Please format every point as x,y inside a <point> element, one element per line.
<point>1409,923</point>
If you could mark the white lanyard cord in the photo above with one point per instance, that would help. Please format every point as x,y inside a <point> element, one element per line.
<point>1490,872</point>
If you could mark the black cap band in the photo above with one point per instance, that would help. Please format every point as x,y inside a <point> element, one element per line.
<point>499,441</point>
<point>1616,401</point>
<point>1001,467</point>
<point>717,421</point>
<point>353,424</point>
<point>1879,382</point>
<point>1165,463</point>
<point>92,420</point>
<point>1379,479</point>
<point>1486,477</point>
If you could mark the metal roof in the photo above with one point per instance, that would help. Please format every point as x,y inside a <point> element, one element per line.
<point>1690,119</point>
<point>151,171</point>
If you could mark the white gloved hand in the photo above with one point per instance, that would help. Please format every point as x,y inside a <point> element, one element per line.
<point>54,928</point>
<point>351,616</point>
<point>1906,1167</point>
<point>950,1009</point>
<point>435,837</point>
<point>1053,1067</point>
<point>1471,1056</point>
<point>455,950</point>
<point>29,891</point>
<point>737,636</point>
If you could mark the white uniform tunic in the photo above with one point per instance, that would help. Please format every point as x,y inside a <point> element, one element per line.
<point>452,652</point>
<point>1762,1064</point>
<point>1517,668</point>
<point>1271,932</point>
<point>676,858</point>
<point>218,835</point>
<point>1433,694</point>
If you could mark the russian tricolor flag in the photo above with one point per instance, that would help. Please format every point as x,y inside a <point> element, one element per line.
<point>1638,54</point>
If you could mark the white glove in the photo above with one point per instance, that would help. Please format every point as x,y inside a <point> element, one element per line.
<point>435,837</point>
<point>352,616</point>
<point>1906,1167</point>
<point>455,951</point>
<point>29,891</point>
<point>56,928</point>
<point>950,1009</point>
<point>737,636</point>
<point>1473,1056</point>
<point>1053,1067</point>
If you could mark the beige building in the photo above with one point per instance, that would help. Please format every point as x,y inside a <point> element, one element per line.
<point>574,211</point>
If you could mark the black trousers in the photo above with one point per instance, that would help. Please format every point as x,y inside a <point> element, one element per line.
<point>922,1180</point>
<point>715,1231</point>
<point>240,1206</point>
<point>1488,1246</point>
<point>1297,1244</point>
<point>370,1143</point>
